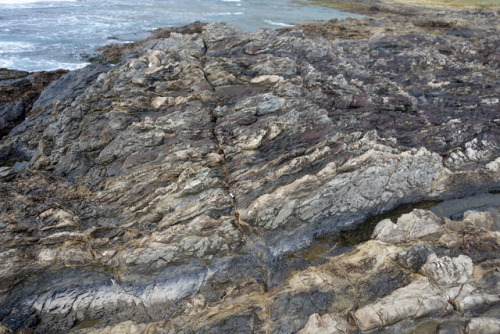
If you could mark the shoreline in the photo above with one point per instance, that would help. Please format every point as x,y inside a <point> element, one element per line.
<point>379,9</point>
<point>363,6</point>
<point>389,12</point>
<point>62,43</point>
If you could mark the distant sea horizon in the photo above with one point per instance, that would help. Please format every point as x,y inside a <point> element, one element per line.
<point>38,35</point>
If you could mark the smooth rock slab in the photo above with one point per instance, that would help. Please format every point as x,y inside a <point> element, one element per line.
<point>420,298</point>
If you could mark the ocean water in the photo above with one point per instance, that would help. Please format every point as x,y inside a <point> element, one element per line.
<point>47,35</point>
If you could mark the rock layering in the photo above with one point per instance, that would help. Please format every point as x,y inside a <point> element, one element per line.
<point>19,91</point>
<point>180,190</point>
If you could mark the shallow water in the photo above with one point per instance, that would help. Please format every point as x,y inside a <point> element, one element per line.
<point>327,246</point>
<point>455,208</point>
<point>46,35</point>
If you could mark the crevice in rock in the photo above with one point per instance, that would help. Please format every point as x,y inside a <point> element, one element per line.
<point>221,152</point>
<point>255,246</point>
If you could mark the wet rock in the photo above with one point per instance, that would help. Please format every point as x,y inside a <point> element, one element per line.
<point>451,328</point>
<point>456,208</point>
<point>19,90</point>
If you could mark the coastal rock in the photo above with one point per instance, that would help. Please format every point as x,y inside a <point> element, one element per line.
<point>446,271</point>
<point>418,299</point>
<point>425,296</point>
<point>411,226</point>
<point>123,52</point>
<point>365,289</point>
<point>20,90</point>
<point>5,330</point>
<point>191,187</point>
<point>326,324</point>
<point>483,325</point>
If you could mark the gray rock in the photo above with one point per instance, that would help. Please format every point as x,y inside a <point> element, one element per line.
<point>451,328</point>
<point>483,325</point>
<point>417,224</point>
<point>67,88</point>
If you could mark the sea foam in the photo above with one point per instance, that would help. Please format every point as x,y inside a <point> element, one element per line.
<point>47,34</point>
<point>278,24</point>
<point>16,47</point>
<point>22,2</point>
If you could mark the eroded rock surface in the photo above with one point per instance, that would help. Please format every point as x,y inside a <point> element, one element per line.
<point>371,289</point>
<point>176,191</point>
<point>19,90</point>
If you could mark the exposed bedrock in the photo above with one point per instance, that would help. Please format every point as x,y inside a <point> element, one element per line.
<point>443,280</point>
<point>179,188</point>
<point>19,91</point>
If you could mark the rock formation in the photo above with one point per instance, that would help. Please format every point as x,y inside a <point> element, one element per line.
<point>186,188</point>
<point>19,91</point>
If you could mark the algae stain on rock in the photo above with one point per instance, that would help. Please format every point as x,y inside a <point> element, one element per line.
<point>332,245</point>
<point>327,246</point>
<point>86,322</point>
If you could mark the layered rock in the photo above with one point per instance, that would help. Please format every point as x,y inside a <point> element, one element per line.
<point>181,188</point>
<point>397,287</point>
<point>19,91</point>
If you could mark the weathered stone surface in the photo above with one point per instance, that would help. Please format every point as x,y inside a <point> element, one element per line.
<point>446,271</point>
<point>483,325</point>
<point>19,90</point>
<point>366,281</point>
<point>326,324</point>
<point>418,299</point>
<point>416,224</point>
<point>5,330</point>
<point>123,52</point>
<point>425,296</point>
<point>186,189</point>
